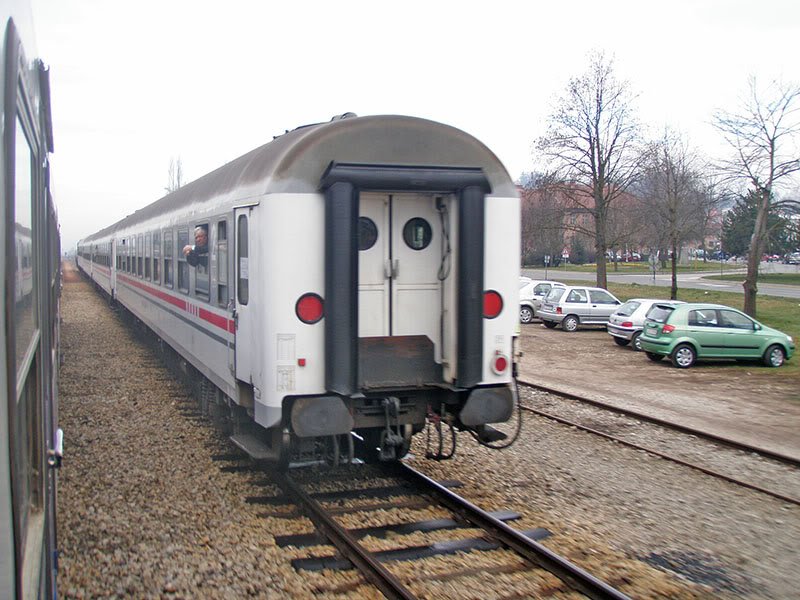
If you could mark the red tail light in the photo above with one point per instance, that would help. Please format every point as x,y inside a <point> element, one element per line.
<point>492,304</point>
<point>558,310</point>
<point>668,329</point>
<point>627,324</point>
<point>499,363</point>
<point>309,308</point>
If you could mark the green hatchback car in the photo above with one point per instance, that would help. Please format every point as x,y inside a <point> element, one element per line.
<point>686,332</point>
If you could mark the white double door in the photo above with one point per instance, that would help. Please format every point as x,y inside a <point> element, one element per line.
<point>400,256</point>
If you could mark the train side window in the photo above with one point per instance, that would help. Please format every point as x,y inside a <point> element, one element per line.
<point>168,259</point>
<point>25,275</point>
<point>222,263</point>
<point>139,255</point>
<point>157,257</point>
<point>202,281</point>
<point>147,256</point>
<point>134,249</point>
<point>183,266</point>
<point>243,281</point>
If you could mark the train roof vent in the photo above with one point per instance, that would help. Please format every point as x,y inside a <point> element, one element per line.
<point>346,115</point>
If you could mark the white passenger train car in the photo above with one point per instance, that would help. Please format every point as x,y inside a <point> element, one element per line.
<point>360,275</point>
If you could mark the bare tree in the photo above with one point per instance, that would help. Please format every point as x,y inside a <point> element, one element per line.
<point>675,197</point>
<point>765,135</point>
<point>542,217</point>
<point>590,146</point>
<point>175,175</point>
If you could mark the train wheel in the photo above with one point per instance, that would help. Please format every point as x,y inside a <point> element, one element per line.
<point>282,439</point>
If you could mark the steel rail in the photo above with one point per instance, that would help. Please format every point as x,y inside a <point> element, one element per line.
<point>674,459</point>
<point>372,570</point>
<point>669,424</point>
<point>532,551</point>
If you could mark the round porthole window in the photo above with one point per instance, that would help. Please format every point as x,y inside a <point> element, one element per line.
<point>367,233</point>
<point>417,233</point>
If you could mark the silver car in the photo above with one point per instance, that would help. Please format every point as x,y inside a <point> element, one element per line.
<point>531,296</point>
<point>626,323</point>
<point>573,306</point>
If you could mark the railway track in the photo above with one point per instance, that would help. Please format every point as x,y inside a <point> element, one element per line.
<point>792,462</point>
<point>529,562</point>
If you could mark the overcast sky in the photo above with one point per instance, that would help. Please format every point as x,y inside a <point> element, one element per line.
<point>137,83</point>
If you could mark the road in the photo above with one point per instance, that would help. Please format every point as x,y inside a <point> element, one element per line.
<point>685,280</point>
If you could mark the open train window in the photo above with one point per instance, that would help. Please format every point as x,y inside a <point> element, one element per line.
<point>157,257</point>
<point>243,281</point>
<point>168,253</point>
<point>148,240</point>
<point>183,266</point>
<point>222,263</point>
<point>202,280</point>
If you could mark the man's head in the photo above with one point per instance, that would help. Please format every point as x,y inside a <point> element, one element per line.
<point>200,236</point>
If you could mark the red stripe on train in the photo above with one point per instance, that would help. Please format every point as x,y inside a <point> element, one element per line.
<point>208,316</point>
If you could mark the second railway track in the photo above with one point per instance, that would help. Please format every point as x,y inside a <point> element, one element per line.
<point>665,442</point>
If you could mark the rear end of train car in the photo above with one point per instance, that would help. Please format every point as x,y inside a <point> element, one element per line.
<point>375,286</point>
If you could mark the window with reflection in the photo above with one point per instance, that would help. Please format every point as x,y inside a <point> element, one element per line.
<point>183,266</point>
<point>222,263</point>
<point>147,255</point>
<point>25,275</point>
<point>242,256</point>
<point>168,259</point>
<point>157,257</point>
<point>139,255</point>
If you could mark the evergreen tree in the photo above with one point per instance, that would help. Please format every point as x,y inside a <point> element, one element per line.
<point>737,228</point>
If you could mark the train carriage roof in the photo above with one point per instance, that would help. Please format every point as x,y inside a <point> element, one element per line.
<point>295,162</point>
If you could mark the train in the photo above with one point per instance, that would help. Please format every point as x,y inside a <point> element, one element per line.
<point>31,444</point>
<point>335,289</point>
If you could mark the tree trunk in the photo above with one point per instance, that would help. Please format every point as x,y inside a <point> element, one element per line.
<point>754,256</point>
<point>600,247</point>
<point>674,291</point>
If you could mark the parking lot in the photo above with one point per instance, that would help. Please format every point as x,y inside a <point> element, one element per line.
<point>747,402</point>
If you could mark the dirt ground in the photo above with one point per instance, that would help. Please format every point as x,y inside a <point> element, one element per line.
<point>752,404</point>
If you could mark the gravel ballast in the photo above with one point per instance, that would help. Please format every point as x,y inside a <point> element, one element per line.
<point>146,512</point>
